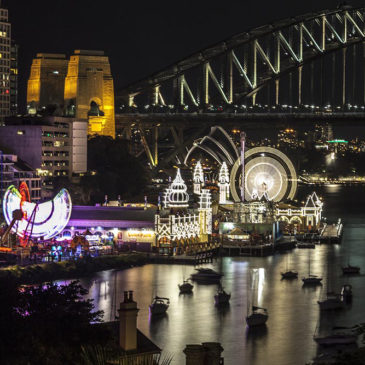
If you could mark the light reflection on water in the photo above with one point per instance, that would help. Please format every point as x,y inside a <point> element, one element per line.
<point>293,310</point>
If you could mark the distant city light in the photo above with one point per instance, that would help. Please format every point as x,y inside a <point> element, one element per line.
<point>338,141</point>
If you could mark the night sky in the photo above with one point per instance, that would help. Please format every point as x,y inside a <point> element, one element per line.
<point>140,37</point>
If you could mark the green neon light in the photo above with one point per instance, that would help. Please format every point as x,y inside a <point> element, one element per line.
<point>338,141</point>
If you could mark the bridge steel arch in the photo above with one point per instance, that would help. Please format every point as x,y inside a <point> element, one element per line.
<point>253,59</point>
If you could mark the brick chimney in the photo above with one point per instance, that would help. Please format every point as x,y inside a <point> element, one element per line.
<point>128,313</point>
<point>208,353</point>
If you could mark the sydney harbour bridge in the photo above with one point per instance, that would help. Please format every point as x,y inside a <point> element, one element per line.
<point>305,69</point>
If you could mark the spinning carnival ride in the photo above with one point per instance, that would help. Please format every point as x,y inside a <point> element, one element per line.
<point>32,220</point>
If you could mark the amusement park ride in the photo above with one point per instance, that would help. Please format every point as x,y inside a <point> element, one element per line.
<point>32,220</point>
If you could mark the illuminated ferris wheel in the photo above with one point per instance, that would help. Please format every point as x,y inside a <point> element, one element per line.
<point>32,220</point>
<point>268,173</point>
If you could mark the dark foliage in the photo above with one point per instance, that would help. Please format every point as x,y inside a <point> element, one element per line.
<point>46,324</point>
<point>116,171</point>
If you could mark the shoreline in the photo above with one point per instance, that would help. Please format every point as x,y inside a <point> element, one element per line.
<point>46,272</point>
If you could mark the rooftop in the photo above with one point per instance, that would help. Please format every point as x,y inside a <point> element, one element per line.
<point>93,213</point>
<point>144,344</point>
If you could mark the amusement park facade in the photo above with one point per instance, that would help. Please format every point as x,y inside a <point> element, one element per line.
<point>255,194</point>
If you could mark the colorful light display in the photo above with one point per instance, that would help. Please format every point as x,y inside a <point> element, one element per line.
<point>44,220</point>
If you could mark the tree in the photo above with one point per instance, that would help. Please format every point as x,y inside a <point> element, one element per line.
<point>47,324</point>
<point>113,170</point>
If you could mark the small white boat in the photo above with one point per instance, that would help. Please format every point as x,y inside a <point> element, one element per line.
<point>350,269</point>
<point>312,280</point>
<point>221,297</point>
<point>186,287</point>
<point>206,275</point>
<point>258,317</point>
<point>159,305</point>
<point>333,301</point>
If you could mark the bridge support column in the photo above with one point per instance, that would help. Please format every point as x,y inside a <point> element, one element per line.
<point>277,89</point>
<point>300,70</point>
<point>156,145</point>
<point>363,63</point>
<point>343,76</point>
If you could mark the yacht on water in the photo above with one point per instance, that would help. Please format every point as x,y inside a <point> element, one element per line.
<point>159,305</point>
<point>221,297</point>
<point>338,336</point>
<point>306,245</point>
<point>332,301</point>
<point>311,279</point>
<point>206,275</point>
<point>186,287</point>
<point>349,269</point>
<point>289,273</point>
<point>257,317</point>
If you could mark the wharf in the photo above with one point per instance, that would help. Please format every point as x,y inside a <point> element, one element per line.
<point>331,233</point>
<point>247,250</point>
<point>199,257</point>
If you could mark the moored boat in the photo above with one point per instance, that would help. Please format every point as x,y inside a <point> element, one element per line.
<point>257,317</point>
<point>350,269</point>
<point>186,287</point>
<point>338,336</point>
<point>306,245</point>
<point>312,280</point>
<point>332,301</point>
<point>221,297</point>
<point>289,274</point>
<point>206,275</point>
<point>159,305</point>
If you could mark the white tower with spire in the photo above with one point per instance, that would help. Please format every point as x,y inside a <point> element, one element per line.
<point>205,212</point>
<point>223,184</point>
<point>176,195</point>
<point>198,178</point>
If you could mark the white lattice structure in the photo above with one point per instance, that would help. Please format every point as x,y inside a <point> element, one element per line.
<point>175,225</point>
<point>308,215</point>
<point>198,178</point>
<point>205,212</point>
<point>223,184</point>
<point>175,228</point>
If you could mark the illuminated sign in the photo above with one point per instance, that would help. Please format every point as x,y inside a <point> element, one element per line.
<point>338,141</point>
<point>134,234</point>
<point>94,237</point>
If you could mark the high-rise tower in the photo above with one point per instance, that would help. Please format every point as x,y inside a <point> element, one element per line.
<point>5,47</point>
<point>14,79</point>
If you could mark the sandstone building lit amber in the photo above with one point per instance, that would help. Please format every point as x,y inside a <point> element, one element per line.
<point>81,87</point>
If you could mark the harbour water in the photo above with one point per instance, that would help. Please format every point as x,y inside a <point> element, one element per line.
<point>293,310</point>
